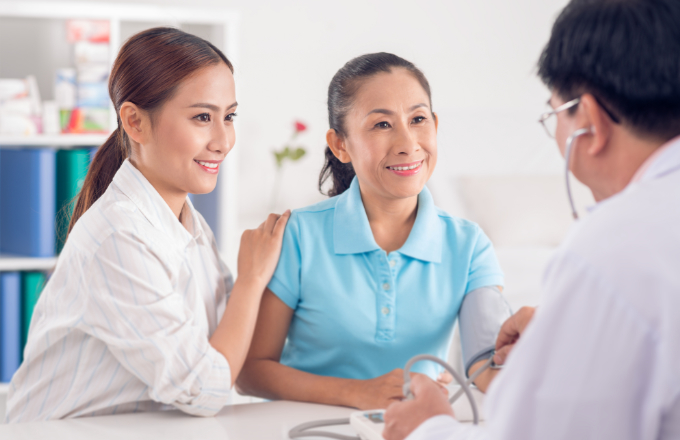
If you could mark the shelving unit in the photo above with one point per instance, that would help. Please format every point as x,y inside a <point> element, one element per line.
<point>11,263</point>
<point>54,140</point>
<point>216,25</point>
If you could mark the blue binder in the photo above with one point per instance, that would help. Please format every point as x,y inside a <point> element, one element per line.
<point>27,202</point>
<point>10,324</point>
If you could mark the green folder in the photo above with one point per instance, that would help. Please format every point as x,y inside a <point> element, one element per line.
<point>32,284</point>
<point>71,171</point>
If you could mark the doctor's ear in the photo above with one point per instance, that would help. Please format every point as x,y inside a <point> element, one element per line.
<point>135,121</point>
<point>337,145</point>
<point>600,124</point>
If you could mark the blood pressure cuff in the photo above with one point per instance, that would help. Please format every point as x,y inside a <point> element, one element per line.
<point>481,316</point>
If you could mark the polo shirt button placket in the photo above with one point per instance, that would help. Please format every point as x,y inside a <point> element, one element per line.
<point>385,310</point>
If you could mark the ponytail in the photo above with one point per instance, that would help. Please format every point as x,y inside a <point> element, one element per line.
<point>108,159</point>
<point>342,174</point>
<point>147,71</point>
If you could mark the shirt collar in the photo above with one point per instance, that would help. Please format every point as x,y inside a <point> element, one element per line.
<point>664,160</point>
<point>352,233</point>
<point>139,190</point>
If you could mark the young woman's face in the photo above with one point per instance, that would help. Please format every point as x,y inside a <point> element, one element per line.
<point>391,135</point>
<point>193,132</point>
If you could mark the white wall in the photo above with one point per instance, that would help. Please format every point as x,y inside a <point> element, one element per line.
<point>478,56</point>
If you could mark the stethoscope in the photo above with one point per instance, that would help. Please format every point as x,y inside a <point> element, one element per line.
<point>567,157</point>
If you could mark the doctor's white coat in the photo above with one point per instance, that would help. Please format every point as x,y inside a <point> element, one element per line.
<point>601,358</point>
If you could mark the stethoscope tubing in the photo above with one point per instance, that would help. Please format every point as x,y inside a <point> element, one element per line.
<point>567,156</point>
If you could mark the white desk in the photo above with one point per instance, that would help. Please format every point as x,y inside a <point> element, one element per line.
<point>257,421</point>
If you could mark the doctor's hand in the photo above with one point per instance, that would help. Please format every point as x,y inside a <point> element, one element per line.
<point>511,330</point>
<point>260,250</point>
<point>402,418</point>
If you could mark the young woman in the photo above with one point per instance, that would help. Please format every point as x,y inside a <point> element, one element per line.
<point>377,274</point>
<point>135,316</point>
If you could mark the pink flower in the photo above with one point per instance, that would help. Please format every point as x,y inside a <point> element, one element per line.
<point>300,127</point>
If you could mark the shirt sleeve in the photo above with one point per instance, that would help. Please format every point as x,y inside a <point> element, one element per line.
<point>447,428</point>
<point>285,282</point>
<point>585,367</point>
<point>484,267</point>
<point>134,308</point>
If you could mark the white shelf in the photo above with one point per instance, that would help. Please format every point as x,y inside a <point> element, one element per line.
<point>11,263</point>
<point>124,11</point>
<point>55,140</point>
<point>124,19</point>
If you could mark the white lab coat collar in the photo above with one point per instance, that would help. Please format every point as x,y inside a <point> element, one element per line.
<point>667,161</point>
<point>658,165</point>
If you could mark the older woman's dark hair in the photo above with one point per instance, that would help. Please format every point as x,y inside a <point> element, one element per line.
<point>626,53</point>
<point>341,94</point>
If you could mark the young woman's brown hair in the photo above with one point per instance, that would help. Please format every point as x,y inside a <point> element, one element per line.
<point>147,71</point>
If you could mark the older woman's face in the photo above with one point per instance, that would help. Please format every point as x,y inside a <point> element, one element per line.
<point>391,135</point>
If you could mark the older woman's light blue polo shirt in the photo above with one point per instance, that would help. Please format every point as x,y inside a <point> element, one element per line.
<point>360,312</point>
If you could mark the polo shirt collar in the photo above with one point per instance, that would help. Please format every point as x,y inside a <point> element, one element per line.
<point>139,190</point>
<point>352,233</point>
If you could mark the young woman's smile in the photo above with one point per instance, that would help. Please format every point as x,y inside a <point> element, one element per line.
<point>209,166</point>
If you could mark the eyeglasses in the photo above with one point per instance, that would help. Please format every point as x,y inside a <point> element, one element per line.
<point>550,123</point>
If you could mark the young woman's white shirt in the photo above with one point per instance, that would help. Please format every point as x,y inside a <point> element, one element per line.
<point>124,322</point>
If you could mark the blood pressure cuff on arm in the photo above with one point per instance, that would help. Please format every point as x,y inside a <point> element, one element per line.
<point>481,316</point>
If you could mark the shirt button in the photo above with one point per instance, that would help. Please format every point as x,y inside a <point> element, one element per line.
<point>385,311</point>
<point>392,263</point>
<point>386,286</point>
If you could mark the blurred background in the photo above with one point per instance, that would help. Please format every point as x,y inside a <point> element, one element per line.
<point>496,164</point>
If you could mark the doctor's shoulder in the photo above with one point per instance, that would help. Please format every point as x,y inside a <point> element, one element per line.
<point>624,226</point>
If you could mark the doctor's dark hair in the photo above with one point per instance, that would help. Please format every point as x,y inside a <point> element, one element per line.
<point>626,53</point>
<point>147,72</point>
<point>341,94</point>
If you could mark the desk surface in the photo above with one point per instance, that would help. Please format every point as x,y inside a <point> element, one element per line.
<point>265,421</point>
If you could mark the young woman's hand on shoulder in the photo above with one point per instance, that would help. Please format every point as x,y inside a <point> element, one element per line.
<point>260,249</point>
<point>257,258</point>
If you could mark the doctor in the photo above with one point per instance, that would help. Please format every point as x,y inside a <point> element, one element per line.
<point>601,357</point>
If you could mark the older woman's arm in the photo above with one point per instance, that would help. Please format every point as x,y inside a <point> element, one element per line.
<point>264,376</point>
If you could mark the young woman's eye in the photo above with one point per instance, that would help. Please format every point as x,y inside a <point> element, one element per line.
<point>418,119</point>
<point>203,117</point>
<point>230,117</point>
<point>383,124</point>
